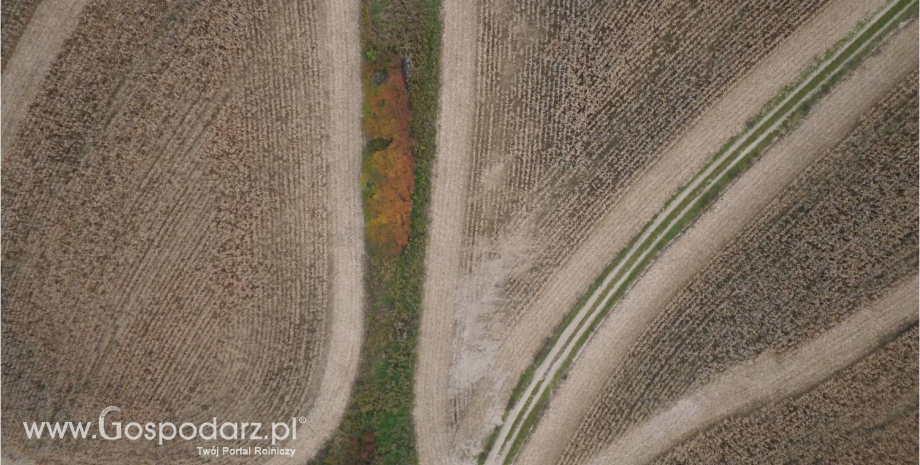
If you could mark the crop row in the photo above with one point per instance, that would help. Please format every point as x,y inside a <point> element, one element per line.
<point>585,111</point>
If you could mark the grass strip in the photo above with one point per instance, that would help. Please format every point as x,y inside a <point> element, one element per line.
<point>378,427</point>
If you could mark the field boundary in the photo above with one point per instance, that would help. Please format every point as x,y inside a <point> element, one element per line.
<point>691,200</point>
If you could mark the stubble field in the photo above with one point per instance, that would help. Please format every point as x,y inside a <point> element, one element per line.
<point>834,241</point>
<point>565,126</point>
<point>569,115</point>
<point>168,242</point>
<point>863,414</point>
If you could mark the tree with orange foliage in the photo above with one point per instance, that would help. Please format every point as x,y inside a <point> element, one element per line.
<point>388,173</point>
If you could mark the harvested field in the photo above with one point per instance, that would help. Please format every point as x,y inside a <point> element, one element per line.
<point>781,282</point>
<point>864,414</point>
<point>568,117</point>
<point>624,232</point>
<point>169,243</point>
<point>827,123</point>
<point>557,139</point>
<point>772,377</point>
<point>537,384</point>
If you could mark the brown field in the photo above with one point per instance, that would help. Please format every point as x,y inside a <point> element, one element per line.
<point>864,414</point>
<point>569,127</point>
<point>829,122</point>
<point>840,235</point>
<point>770,377</point>
<point>169,244</point>
<point>50,24</point>
<point>558,138</point>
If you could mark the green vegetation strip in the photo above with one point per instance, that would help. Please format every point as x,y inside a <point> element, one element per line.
<point>378,426</point>
<point>734,158</point>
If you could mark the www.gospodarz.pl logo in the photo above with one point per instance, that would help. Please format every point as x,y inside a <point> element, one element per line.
<point>166,431</point>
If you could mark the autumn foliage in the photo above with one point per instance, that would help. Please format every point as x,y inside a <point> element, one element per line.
<point>388,171</point>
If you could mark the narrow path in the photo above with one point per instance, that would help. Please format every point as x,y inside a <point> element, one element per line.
<point>342,56</point>
<point>770,378</point>
<point>51,24</point>
<point>448,206</point>
<point>561,352</point>
<point>829,122</point>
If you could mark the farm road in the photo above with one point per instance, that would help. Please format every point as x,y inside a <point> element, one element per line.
<point>342,55</point>
<point>448,203</point>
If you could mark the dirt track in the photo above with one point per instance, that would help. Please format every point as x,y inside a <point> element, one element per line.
<point>769,378</point>
<point>828,123</point>
<point>345,140</point>
<point>448,203</point>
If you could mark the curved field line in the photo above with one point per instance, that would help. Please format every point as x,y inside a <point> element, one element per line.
<point>44,36</point>
<point>769,378</point>
<point>342,56</point>
<point>670,220</point>
<point>449,192</point>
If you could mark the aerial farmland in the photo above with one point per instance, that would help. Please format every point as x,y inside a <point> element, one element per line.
<point>459,233</point>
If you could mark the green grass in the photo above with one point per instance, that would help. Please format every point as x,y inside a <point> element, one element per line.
<point>383,396</point>
<point>696,204</point>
